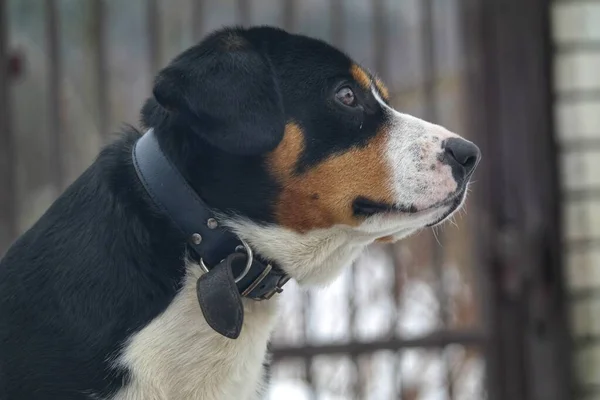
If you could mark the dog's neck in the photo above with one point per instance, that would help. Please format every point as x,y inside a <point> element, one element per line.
<point>314,258</point>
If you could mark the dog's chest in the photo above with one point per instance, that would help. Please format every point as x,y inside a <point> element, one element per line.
<point>178,356</point>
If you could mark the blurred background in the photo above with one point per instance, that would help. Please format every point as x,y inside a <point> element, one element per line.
<point>502,303</point>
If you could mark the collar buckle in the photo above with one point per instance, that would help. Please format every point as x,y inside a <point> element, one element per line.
<point>277,289</point>
<point>258,280</point>
<point>268,295</point>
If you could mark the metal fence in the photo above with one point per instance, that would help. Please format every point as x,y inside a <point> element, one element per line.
<point>437,316</point>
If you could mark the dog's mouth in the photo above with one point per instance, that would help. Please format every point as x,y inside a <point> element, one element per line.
<point>363,206</point>
<point>453,204</point>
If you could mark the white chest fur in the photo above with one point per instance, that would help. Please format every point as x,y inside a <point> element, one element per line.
<point>178,356</point>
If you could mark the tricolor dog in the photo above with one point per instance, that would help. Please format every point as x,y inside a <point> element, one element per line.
<point>264,156</point>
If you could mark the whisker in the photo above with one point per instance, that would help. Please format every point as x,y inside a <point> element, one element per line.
<point>436,236</point>
<point>453,221</point>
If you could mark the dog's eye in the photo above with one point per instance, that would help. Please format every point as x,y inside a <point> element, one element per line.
<point>346,96</point>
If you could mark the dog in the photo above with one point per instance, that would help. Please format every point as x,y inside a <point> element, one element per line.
<point>263,156</point>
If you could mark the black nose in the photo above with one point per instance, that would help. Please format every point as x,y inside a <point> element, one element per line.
<point>462,155</point>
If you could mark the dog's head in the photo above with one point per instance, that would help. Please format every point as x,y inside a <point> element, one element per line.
<point>298,148</point>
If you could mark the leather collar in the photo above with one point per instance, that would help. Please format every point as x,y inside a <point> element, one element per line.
<point>231,269</point>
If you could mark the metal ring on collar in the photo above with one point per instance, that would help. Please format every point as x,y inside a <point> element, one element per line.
<point>249,262</point>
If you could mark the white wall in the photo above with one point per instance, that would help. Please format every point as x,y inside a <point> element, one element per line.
<point>576,32</point>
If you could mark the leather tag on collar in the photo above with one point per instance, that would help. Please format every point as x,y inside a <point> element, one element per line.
<point>220,299</point>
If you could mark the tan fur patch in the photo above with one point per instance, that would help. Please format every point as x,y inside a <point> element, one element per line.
<point>365,81</point>
<point>382,89</point>
<point>361,76</point>
<point>283,159</point>
<point>322,196</point>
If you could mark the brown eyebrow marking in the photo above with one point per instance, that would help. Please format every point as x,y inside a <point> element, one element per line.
<point>364,80</point>
<point>361,76</point>
<point>382,89</point>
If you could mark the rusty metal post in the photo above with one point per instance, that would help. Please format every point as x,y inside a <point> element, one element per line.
<point>519,230</point>
<point>8,229</point>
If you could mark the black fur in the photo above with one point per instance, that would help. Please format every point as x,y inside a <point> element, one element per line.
<point>230,98</point>
<point>101,263</point>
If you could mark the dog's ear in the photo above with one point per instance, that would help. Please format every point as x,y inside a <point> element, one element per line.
<point>227,93</point>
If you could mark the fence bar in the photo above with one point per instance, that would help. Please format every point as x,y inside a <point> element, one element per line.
<point>438,339</point>
<point>101,64</point>
<point>510,81</point>
<point>380,38</point>
<point>432,114</point>
<point>153,32</point>
<point>289,12</point>
<point>197,19</point>
<point>380,45</point>
<point>336,23</point>
<point>55,73</point>
<point>428,60</point>
<point>308,364</point>
<point>243,12</point>
<point>358,384</point>
<point>7,163</point>
<point>397,287</point>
